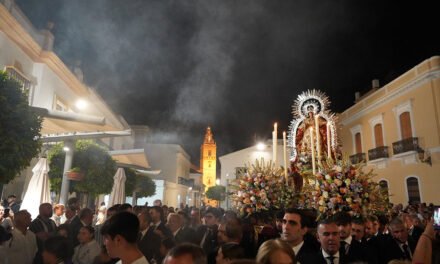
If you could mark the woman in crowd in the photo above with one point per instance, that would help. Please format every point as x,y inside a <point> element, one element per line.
<point>275,251</point>
<point>57,250</point>
<point>229,252</point>
<point>88,249</point>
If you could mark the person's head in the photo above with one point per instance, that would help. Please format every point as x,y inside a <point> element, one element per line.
<point>86,234</point>
<point>294,226</point>
<point>212,216</point>
<point>195,215</point>
<point>383,223</point>
<point>185,253</point>
<point>156,214</point>
<point>58,209</point>
<point>63,230</point>
<point>126,207</point>
<point>328,236</point>
<point>174,222</point>
<point>229,215</point>
<point>398,230</point>
<point>22,219</point>
<point>86,215</point>
<point>228,252</point>
<point>358,228</point>
<point>275,251</point>
<point>70,212</point>
<point>73,203</point>
<point>229,231</point>
<point>11,198</point>
<point>371,226</point>
<point>56,249</point>
<point>112,210</point>
<point>415,220</point>
<point>343,220</point>
<point>120,232</point>
<point>157,202</point>
<point>45,210</point>
<point>166,245</point>
<point>144,220</point>
<point>279,220</point>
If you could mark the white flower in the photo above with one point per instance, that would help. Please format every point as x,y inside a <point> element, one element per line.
<point>338,168</point>
<point>347,181</point>
<point>348,200</point>
<point>328,177</point>
<point>312,182</point>
<point>325,194</point>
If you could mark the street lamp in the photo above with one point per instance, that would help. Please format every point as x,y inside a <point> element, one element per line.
<point>81,104</point>
<point>217,182</point>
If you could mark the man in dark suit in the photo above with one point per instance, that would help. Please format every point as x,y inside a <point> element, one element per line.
<point>398,245</point>
<point>84,218</point>
<point>156,213</point>
<point>149,241</point>
<point>180,233</point>
<point>414,230</point>
<point>207,234</point>
<point>352,250</point>
<point>328,236</point>
<point>293,231</point>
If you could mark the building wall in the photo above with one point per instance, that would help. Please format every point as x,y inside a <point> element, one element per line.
<point>417,91</point>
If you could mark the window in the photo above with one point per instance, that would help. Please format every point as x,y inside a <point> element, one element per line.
<point>378,136</point>
<point>209,153</point>
<point>405,125</point>
<point>16,74</point>
<point>412,185</point>
<point>358,141</point>
<point>60,105</point>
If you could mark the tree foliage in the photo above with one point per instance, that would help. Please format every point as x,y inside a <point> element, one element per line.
<point>217,192</point>
<point>144,186</point>
<point>92,159</point>
<point>19,129</point>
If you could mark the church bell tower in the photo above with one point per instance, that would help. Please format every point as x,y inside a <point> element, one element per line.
<point>208,160</point>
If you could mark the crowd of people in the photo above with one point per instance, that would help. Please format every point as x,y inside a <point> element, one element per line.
<point>161,234</point>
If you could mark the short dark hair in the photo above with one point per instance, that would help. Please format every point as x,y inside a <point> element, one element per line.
<point>125,224</point>
<point>158,209</point>
<point>299,212</point>
<point>85,212</point>
<point>214,211</point>
<point>146,216</point>
<point>358,220</point>
<point>168,243</point>
<point>90,229</point>
<point>196,252</point>
<point>59,246</point>
<point>342,218</point>
<point>125,207</point>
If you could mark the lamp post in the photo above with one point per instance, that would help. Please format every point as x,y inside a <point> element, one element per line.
<point>68,148</point>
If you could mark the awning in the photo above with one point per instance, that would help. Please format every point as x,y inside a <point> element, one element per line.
<point>132,158</point>
<point>57,126</point>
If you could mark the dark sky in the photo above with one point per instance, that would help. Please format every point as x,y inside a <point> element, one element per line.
<point>179,66</point>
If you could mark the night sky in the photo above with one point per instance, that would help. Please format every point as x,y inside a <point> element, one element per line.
<point>179,66</point>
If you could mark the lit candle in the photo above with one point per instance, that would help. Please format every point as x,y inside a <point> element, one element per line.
<point>318,143</point>
<point>275,143</point>
<point>329,155</point>
<point>285,155</point>
<point>312,144</point>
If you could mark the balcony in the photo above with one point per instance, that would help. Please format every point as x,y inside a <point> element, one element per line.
<point>406,145</point>
<point>358,158</point>
<point>378,153</point>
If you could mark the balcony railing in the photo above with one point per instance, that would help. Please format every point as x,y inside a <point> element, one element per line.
<point>358,158</point>
<point>378,153</point>
<point>405,145</point>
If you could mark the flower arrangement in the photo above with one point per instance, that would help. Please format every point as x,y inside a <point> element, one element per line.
<point>342,186</point>
<point>260,187</point>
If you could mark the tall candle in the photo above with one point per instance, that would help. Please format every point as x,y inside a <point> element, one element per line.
<point>329,155</point>
<point>285,155</point>
<point>275,143</point>
<point>318,143</point>
<point>312,144</point>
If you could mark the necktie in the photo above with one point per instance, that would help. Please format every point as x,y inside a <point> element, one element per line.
<point>344,247</point>
<point>331,259</point>
<point>406,251</point>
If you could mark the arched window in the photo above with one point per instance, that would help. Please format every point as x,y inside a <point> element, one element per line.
<point>383,185</point>
<point>405,125</point>
<point>378,136</point>
<point>358,142</point>
<point>412,185</point>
